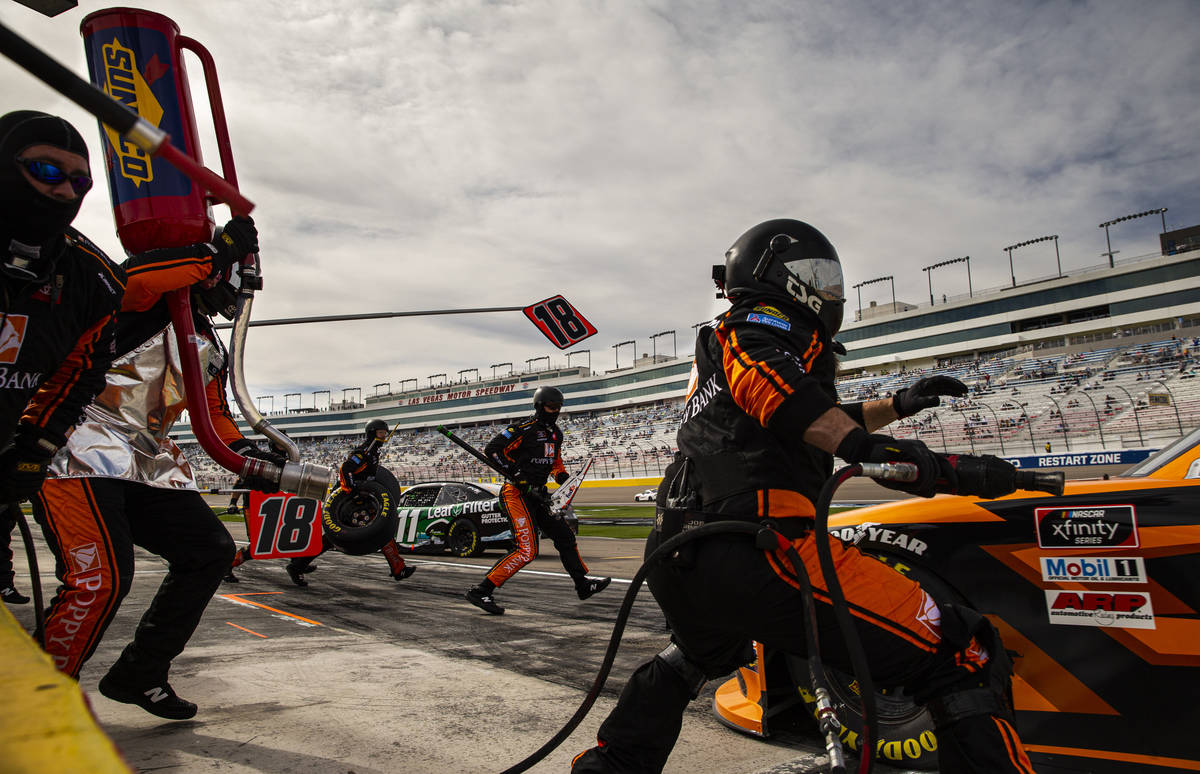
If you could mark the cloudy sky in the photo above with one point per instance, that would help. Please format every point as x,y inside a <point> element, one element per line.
<point>445,154</point>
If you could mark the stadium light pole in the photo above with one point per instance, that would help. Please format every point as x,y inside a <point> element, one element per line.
<point>431,377</point>
<point>1161,212</point>
<point>587,352</point>
<point>497,365</point>
<point>328,397</point>
<point>287,395</point>
<point>1010,248</point>
<point>530,361</point>
<point>860,285</point>
<point>654,342</point>
<point>466,371</point>
<point>929,273</point>
<point>416,384</point>
<point>352,389</point>
<point>1174,404</point>
<point>617,352</point>
<point>382,384</point>
<point>1062,423</point>
<point>1133,408</point>
<point>266,397</point>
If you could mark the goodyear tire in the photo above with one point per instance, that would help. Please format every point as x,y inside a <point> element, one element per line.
<point>363,521</point>
<point>905,737</point>
<point>462,539</point>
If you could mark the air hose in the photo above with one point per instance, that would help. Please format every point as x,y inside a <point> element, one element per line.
<point>767,539</point>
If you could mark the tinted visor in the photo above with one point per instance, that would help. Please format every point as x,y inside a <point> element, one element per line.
<point>821,274</point>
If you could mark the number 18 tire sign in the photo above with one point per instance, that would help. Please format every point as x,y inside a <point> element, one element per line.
<point>560,322</point>
<point>283,526</point>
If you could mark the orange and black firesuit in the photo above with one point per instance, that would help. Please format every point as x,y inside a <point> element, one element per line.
<point>529,452</point>
<point>759,422</point>
<point>121,481</point>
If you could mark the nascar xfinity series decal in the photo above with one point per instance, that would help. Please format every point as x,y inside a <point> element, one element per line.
<point>1116,609</point>
<point>1091,569</point>
<point>1089,526</point>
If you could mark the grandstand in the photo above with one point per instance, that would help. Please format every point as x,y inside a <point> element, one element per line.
<point>1106,358</point>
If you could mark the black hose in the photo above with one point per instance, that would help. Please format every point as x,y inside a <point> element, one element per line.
<point>35,578</point>
<point>614,642</point>
<point>841,611</point>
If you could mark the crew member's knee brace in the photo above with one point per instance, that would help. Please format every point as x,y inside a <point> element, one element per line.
<point>691,674</point>
<point>988,692</point>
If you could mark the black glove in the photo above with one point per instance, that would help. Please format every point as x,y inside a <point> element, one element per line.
<point>247,448</point>
<point>238,239</point>
<point>560,478</point>
<point>924,393</point>
<point>23,467</point>
<point>983,476</point>
<point>859,446</point>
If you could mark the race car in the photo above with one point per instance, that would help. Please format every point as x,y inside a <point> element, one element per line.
<point>464,518</point>
<point>1096,594</point>
<point>646,496</point>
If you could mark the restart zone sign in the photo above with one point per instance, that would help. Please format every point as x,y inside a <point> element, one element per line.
<point>283,525</point>
<point>559,321</point>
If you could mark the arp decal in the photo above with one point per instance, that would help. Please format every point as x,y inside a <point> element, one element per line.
<point>1091,526</point>
<point>1116,609</point>
<point>1092,569</point>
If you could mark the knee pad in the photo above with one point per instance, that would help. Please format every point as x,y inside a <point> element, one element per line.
<point>988,693</point>
<point>691,674</point>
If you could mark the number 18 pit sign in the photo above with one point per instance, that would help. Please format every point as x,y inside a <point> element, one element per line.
<point>559,321</point>
<point>282,525</point>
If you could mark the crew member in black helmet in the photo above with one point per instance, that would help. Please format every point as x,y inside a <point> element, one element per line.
<point>761,425</point>
<point>528,452</point>
<point>360,466</point>
<point>60,299</point>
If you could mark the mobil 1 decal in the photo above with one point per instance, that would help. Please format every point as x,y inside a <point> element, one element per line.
<point>1086,526</point>
<point>1093,569</point>
<point>1116,609</point>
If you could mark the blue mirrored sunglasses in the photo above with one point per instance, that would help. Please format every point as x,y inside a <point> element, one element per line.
<point>51,174</point>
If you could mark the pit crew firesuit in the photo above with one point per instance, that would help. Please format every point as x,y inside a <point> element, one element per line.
<point>756,368</point>
<point>529,452</point>
<point>121,481</point>
<point>361,465</point>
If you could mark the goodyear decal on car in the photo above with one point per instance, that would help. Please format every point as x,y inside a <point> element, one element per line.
<point>871,532</point>
<point>1093,569</point>
<point>1115,609</point>
<point>1089,526</point>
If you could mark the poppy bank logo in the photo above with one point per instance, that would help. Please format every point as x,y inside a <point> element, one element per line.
<point>12,336</point>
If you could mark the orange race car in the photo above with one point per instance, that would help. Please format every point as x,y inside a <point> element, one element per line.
<point>1095,592</point>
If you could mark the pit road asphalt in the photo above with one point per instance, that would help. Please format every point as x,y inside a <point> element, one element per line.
<point>359,673</point>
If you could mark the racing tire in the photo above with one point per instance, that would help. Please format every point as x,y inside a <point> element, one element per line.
<point>462,539</point>
<point>363,521</point>
<point>906,728</point>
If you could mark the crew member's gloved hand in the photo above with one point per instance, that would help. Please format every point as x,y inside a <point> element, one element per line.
<point>247,448</point>
<point>238,239</point>
<point>984,476</point>
<point>23,467</point>
<point>561,478</point>
<point>859,446</point>
<point>924,393</point>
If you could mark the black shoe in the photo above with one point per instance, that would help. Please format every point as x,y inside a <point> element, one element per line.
<point>297,575</point>
<point>307,568</point>
<point>158,699</point>
<point>592,586</point>
<point>484,601</point>
<point>13,597</point>
<point>407,571</point>
<point>230,577</point>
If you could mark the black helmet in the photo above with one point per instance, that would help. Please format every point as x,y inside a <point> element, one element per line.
<point>374,426</point>
<point>547,402</point>
<point>787,259</point>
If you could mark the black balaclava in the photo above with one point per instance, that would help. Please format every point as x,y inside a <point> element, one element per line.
<point>31,223</point>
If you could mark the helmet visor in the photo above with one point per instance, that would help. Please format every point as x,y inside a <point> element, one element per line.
<point>821,274</point>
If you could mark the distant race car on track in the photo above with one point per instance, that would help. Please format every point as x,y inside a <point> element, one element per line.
<point>1096,594</point>
<point>464,518</point>
<point>646,496</point>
